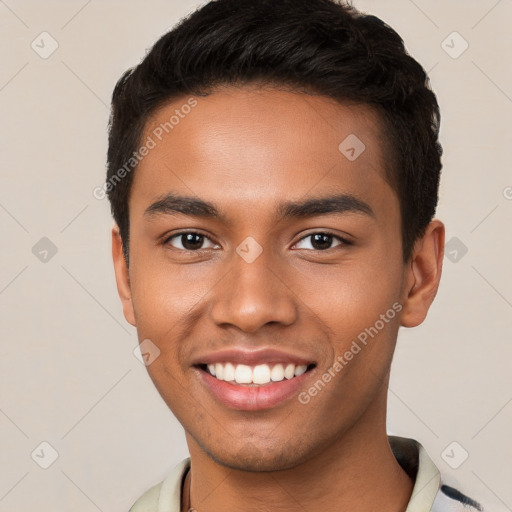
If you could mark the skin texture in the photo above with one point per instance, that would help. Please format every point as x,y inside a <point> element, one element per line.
<point>247,150</point>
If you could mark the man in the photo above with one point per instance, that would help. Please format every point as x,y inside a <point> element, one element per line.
<point>273,171</point>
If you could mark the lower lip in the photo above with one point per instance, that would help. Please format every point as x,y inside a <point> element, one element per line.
<point>252,398</point>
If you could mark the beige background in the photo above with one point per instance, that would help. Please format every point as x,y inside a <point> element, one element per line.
<point>68,374</point>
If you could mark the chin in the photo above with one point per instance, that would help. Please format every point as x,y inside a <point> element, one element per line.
<point>250,458</point>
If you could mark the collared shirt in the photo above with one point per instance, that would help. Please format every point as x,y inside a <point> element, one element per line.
<point>429,494</point>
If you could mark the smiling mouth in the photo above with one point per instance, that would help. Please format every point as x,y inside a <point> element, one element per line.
<point>257,375</point>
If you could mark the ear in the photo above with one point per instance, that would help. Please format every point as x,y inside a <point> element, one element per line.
<point>423,274</point>
<point>122,276</point>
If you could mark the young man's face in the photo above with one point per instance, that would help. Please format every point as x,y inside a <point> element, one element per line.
<point>256,286</point>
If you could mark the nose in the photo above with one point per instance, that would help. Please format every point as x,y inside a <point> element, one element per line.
<point>252,295</point>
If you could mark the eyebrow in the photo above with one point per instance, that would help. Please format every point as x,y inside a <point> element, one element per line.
<point>172,204</point>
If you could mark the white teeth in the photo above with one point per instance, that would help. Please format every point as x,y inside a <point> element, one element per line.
<point>289,371</point>
<point>243,374</point>
<point>277,373</point>
<point>259,374</point>
<point>229,372</point>
<point>219,371</point>
<point>299,370</point>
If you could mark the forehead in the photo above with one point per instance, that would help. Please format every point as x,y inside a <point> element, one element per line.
<point>251,146</point>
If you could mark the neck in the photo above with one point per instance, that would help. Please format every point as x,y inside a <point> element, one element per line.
<point>357,472</point>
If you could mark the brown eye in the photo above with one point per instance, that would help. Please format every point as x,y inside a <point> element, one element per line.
<point>188,241</point>
<point>322,241</point>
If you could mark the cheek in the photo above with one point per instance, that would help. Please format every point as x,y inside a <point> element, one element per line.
<point>358,302</point>
<point>168,299</point>
<point>355,295</point>
<point>160,287</point>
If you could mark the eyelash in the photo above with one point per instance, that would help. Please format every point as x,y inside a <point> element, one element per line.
<point>343,241</point>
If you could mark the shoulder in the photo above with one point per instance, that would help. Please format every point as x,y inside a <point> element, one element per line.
<point>148,502</point>
<point>433,490</point>
<point>165,495</point>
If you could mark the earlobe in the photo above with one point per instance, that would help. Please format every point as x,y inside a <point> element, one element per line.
<point>122,276</point>
<point>423,275</point>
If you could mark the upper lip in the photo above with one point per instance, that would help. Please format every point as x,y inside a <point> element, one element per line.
<point>252,357</point>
